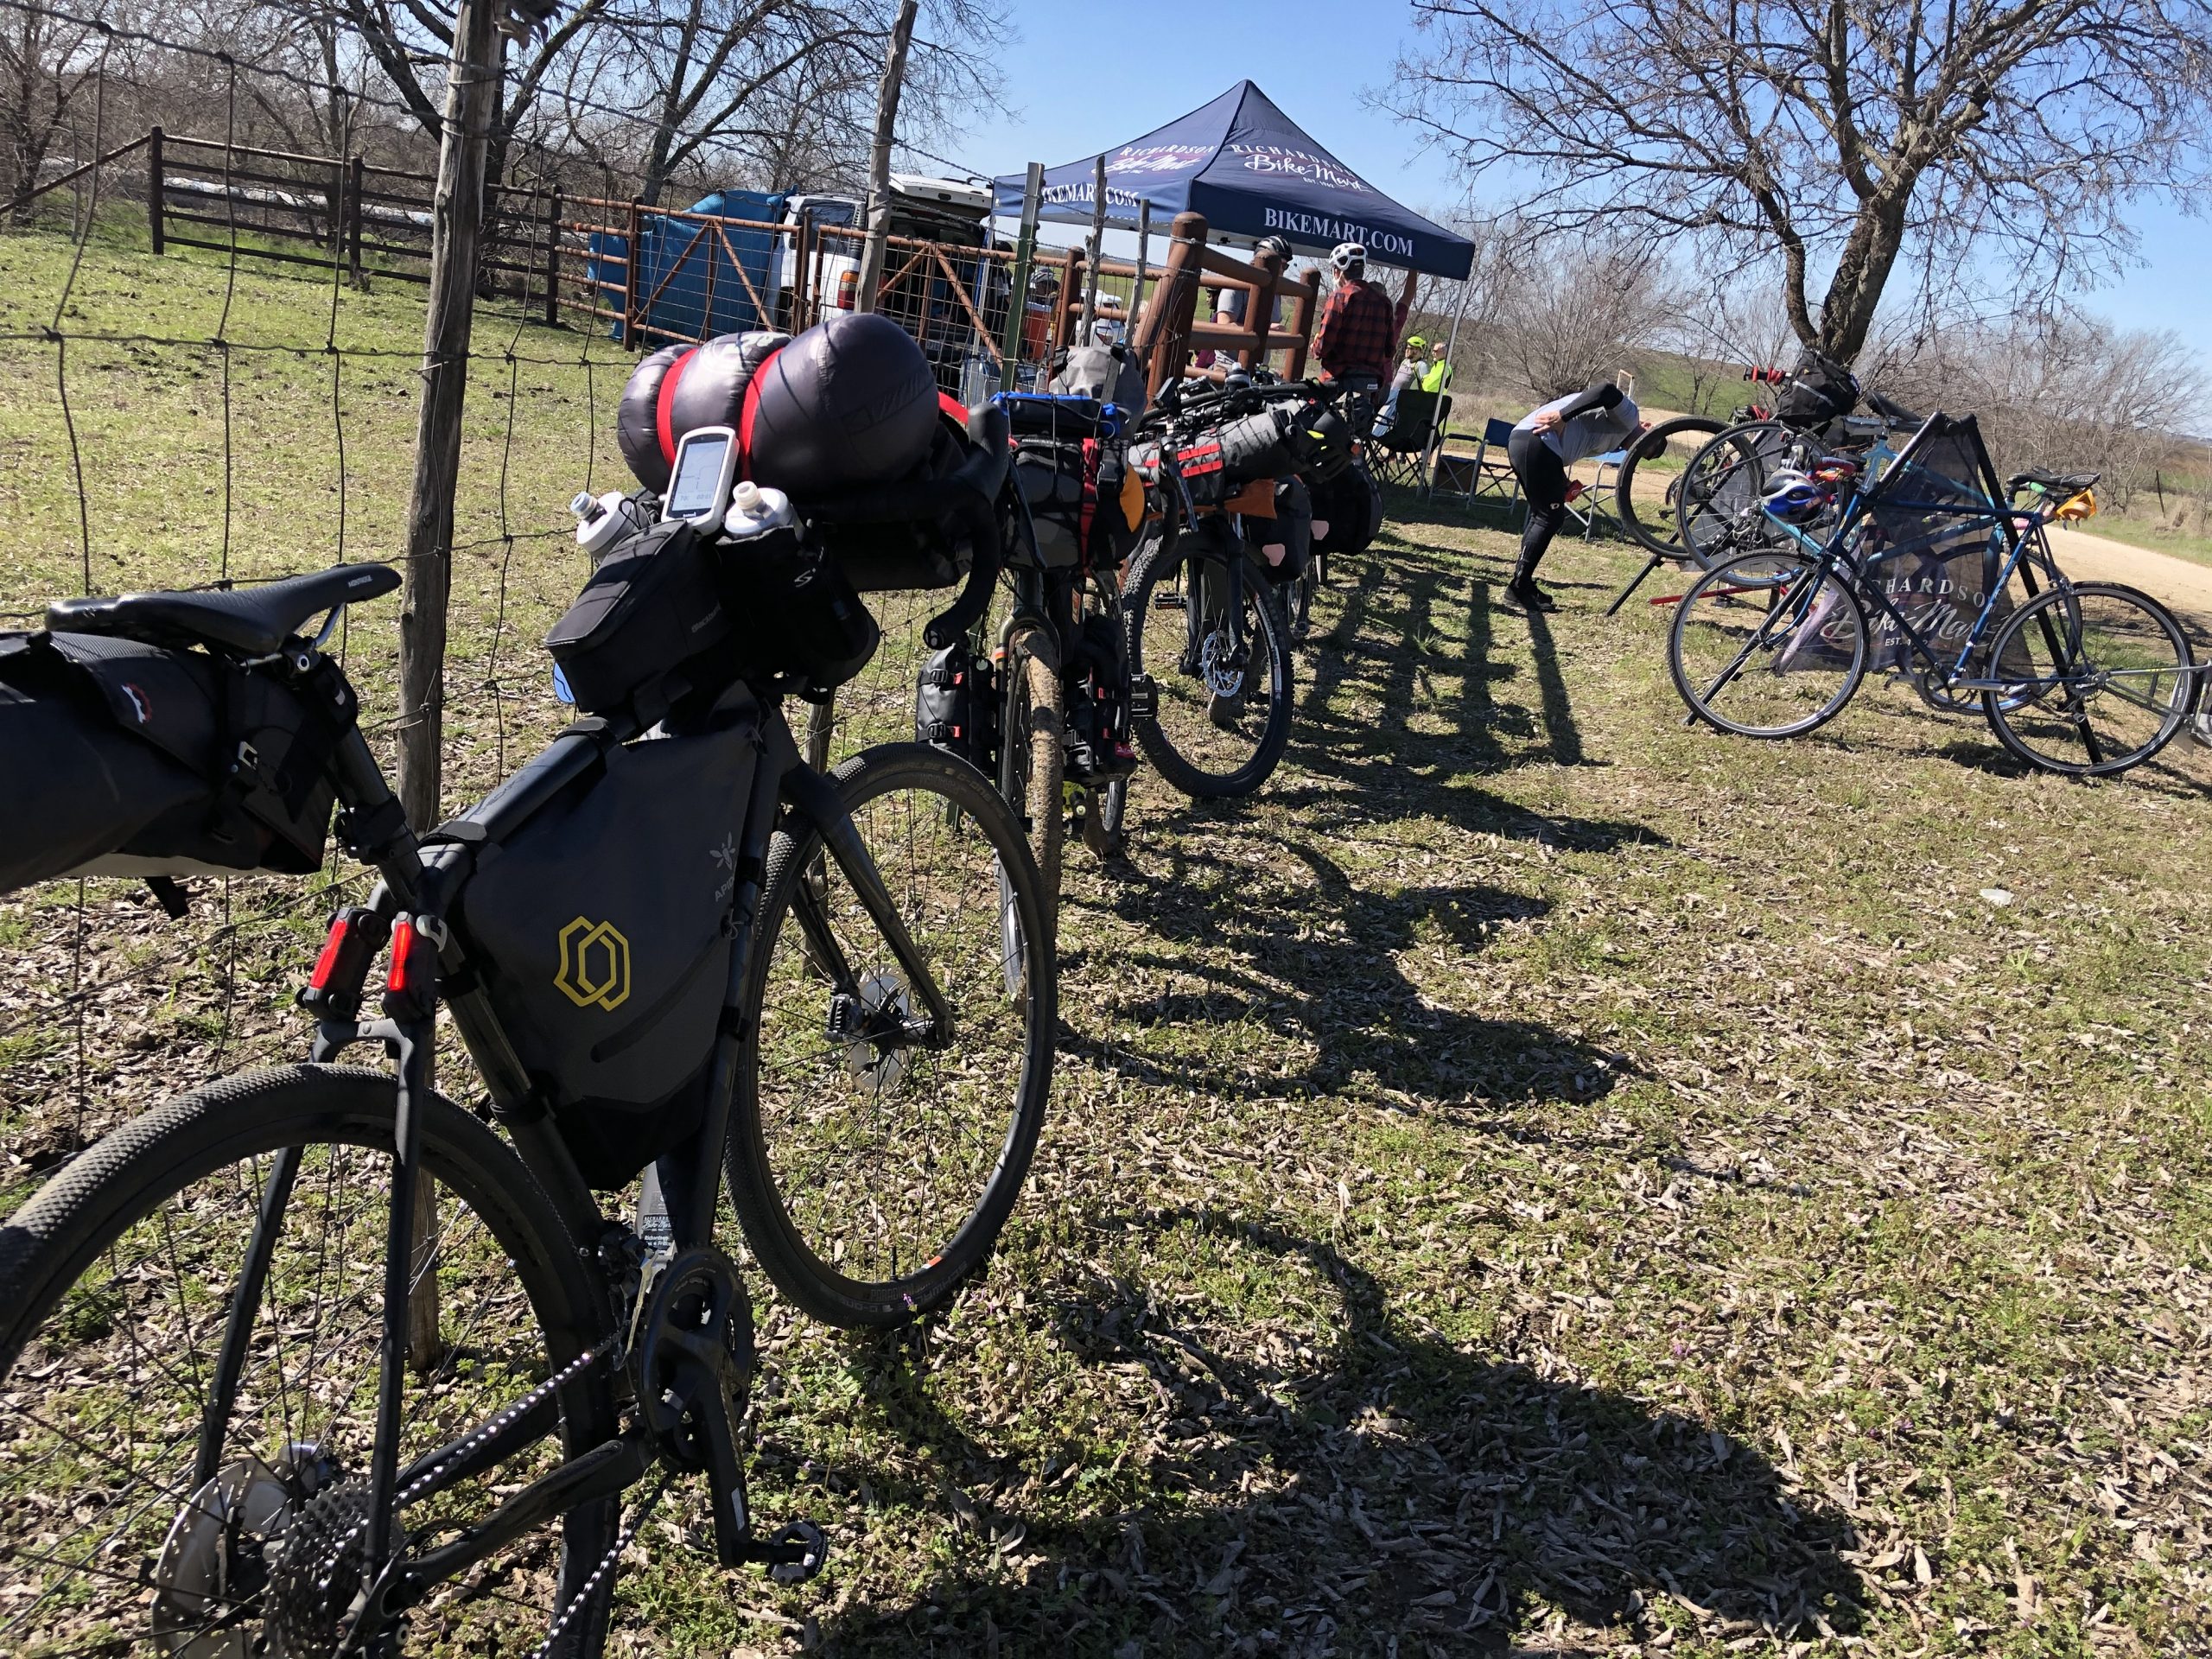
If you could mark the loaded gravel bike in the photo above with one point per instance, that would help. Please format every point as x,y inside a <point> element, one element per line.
<point>226,1428</point>
<point>1916,569</point>
<point>1208,621</point>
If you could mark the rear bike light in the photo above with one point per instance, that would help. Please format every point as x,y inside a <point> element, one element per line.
<point>334,990</point>
<point>411,983</point>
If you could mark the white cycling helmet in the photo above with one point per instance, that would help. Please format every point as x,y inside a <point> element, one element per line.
<point>1346,256</point>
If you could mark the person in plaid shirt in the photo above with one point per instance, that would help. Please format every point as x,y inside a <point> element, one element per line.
<point>1359,334</point>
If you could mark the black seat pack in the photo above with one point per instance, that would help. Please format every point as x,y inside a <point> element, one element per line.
<point>129,759</point>
<point>597,916</point>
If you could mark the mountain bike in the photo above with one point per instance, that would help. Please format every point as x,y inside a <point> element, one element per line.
<point>2085,679</point>
<point>1206,622</point>
<point>226,1432</point>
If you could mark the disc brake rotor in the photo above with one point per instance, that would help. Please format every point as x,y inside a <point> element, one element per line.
<point>881,1063</point>
<point>1217,666</point>
<point>214,1568</point>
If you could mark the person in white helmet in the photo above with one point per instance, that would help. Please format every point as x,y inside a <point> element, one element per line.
<point>1357,336</point>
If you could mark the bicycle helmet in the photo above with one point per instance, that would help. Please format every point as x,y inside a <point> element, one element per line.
<point>1348,256</point>
<point>1792,497</point>
<point>1274,242</point>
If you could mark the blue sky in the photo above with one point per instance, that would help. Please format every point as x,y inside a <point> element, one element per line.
<point>1154,61</point>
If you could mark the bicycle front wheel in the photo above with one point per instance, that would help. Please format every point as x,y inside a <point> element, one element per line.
<point>1648,492</point>
<point>1717,504</point>
<point>1767,644</point>
<point>2099,677</point>
<point>872,1167</point>
<point>189,1316</point>
<point>1221,716</point>
<point>1031,757</point>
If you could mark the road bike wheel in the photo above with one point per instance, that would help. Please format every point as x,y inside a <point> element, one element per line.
<point>1767,644</point>
<point>871,1172</point>
<point>137,1504</point>
<point>1219,726</point>
<point>1647,493</point>
<point>1030,754</point>
<point>2099,678</point>
<point>1718,504</point>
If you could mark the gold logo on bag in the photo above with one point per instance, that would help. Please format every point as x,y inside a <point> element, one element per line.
<point>595,964</point>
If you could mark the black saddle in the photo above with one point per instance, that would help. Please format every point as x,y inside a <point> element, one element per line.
<point>248,621</point>
<point>2060,483</point>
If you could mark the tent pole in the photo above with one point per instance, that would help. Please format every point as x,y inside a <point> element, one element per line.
<point>1136,290</point>
<point>1097,250</point>
<point>1436,436</point>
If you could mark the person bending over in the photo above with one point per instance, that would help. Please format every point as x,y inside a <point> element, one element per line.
<point>1545,444</point>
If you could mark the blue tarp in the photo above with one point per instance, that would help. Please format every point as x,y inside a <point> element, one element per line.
<point>1253,172</point>
<point>679,261</point>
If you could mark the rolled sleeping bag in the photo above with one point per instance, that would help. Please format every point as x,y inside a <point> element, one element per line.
<point>850,403</point>
<point>680,388</point>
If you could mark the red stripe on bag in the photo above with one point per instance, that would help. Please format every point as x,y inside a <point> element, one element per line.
<point>665,405</point>
<point>747,409</point>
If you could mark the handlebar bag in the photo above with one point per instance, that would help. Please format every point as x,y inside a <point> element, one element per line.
<point>793,610</point>
<point>901,556</point>
<point>1821,389</point>
<point>1255,445</point>
<point>126,759</point>
<point>653,605</point>
<point>598,916</point>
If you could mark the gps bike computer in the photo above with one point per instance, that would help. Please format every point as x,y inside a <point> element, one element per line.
<point>699,483</point>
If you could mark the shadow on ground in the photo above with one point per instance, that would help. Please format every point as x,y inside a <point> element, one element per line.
<point>1345,1484</point>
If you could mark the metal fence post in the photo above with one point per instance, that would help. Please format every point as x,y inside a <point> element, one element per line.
<point>1025,250</point>
<point>357,174</point>
<point>553,260</point>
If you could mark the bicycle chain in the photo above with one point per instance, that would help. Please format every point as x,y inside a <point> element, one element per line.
<point>621,1542</point>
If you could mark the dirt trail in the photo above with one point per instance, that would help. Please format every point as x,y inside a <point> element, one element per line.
<point>2183,586</point>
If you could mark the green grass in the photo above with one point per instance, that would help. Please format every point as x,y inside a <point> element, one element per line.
<point>1536,1177</point>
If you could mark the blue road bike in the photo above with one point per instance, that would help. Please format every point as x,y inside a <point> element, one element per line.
<point>1923,564</point>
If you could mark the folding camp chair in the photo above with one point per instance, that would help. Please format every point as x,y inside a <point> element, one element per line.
<point>1487,472</point>
<point>1394,456</point>
<point>1594,502</point>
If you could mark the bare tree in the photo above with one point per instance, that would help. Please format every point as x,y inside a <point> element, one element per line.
<point>1566,323</point>
<point>2065,391</point>
<point>1841,135</point>
<point>47,69</point>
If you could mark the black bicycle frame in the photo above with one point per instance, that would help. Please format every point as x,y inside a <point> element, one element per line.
<point>421,891</point>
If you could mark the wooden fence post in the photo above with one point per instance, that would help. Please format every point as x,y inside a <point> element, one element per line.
<point>356,178</point>
<point>1175,301</point>
<point>553,260</point>
<point>457,217</point>
<point>156,189</point>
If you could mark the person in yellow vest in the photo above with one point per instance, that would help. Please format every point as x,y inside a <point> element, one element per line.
<point>1437,377</point>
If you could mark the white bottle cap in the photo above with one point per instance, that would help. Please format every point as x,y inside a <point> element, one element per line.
<point>746,498</point>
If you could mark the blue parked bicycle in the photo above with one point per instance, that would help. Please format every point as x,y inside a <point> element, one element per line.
<point>1920,563</point>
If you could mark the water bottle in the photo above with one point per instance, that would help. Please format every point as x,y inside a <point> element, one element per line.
<point>754,511</point>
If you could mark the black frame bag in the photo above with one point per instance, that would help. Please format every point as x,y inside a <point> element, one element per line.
<point>598,915</point>
<point>1821,389</point>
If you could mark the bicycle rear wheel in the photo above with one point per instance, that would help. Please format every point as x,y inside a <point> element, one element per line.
<point>1221,718</point>
<point>1717,504</point>
<point>872,1170</point>
<point>1767,644</point>
<point>141,1452</point>
<point>2099,678</point>
<point>1647,494</point>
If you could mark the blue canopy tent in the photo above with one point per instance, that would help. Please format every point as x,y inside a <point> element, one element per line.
<point>1253,172</point>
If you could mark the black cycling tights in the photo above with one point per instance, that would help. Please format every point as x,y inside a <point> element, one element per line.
<point>1543,481</point>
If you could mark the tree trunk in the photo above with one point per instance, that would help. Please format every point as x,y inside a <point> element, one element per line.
<point>1855,291</point>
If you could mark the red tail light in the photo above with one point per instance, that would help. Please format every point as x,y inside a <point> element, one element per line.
<point>848,286</point>
<point>327,964</point>
<point>414,961</point>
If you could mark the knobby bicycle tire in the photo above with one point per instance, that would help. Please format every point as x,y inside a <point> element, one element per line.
<point>1157,567</point>
<point>63,1281</point>
<point>1661,535</point>
<point>1031,759</point>
<point>813,1209</point>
